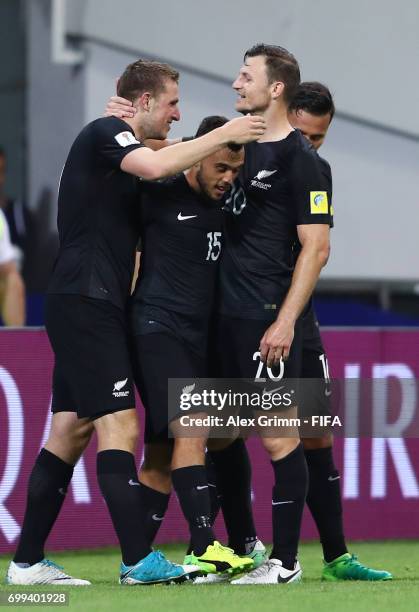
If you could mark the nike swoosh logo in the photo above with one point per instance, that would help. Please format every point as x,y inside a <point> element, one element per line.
<point>126,574</point>
<point>332,478</point>
<point>157,518</point>
<point>62,491</point>
<point>284,502</point>
<point>200,488</point>
<point>133,483</point>
<point>288,578</point>
<point>180,217</point>
<point>327,393</point>
<point>266,392</point>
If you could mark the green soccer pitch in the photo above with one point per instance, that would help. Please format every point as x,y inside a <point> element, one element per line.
<point>101,568</point>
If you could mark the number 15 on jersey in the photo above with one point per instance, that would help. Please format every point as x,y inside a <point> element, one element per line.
<point>214,245</point>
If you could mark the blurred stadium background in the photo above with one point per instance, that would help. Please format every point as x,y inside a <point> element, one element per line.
<point>60,60</point>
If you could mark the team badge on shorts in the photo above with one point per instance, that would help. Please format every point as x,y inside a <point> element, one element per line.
<point>319,204</point>
<point>118,388</point>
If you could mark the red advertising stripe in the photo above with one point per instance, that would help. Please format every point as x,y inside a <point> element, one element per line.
<point>380,477</point>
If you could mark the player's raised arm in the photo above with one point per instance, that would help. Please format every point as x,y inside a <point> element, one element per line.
<point>168,161</point>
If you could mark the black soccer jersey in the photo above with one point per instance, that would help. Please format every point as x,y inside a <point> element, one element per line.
<point>181,245</point>
<point>283,184</point>
<point>98,215</point>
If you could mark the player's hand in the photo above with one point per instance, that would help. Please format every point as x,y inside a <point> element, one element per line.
<point>119,107</point>
<point>244,129</point>
<point>276,343</point>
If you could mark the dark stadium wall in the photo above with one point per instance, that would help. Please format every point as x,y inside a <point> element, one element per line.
<point>12,94</point>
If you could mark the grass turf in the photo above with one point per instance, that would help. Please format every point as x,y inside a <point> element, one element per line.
<point>101,567</point>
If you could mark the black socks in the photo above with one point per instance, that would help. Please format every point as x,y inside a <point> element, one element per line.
<point>153,508</point>
<point>215,495</point>
<point>47,488</point>
<point>324,501</point>
<point>233,475</point>
<point>191,486</point>
<point>288,498</point>
<point>118,481</point>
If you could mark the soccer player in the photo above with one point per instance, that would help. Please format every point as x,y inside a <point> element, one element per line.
<point>172,304</point>
<point>98,222</point>
<point>311,111</point>
<point>263,290</point>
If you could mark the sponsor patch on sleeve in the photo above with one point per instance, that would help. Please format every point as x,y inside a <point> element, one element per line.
<point>319,204</point>
<point>125,139</point>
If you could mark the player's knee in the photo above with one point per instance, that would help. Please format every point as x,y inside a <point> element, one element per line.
<point>278,448</point>
<point>118,430</point>
<point>68,436</point>
<point>82,435</point>
<point>188,446</point>
<point>63,426</point>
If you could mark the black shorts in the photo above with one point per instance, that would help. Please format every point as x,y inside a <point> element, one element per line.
<point>190,330</point>
<point>316,388</point>
<point>158,357</point>
<point>235,354</point>
<point>92,372</point>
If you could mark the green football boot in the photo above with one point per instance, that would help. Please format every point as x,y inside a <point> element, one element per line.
<point>347,567</point>
<point>258,554</point>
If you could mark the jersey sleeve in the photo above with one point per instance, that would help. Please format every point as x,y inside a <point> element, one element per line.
<point>114,140</point>
<point>7,251</point>
<point>327,173</point>
<point>311,189</point>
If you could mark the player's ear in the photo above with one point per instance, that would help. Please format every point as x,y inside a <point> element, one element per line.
<point>145,101</point>
<point>277,89</point>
